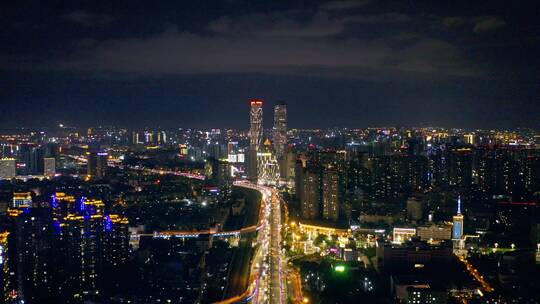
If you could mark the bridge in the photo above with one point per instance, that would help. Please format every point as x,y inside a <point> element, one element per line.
<point>194,234</point>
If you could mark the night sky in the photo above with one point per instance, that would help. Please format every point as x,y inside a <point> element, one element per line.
<point>471,64</point>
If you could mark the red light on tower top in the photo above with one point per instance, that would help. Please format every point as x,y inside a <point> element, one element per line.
<point>256,102</point>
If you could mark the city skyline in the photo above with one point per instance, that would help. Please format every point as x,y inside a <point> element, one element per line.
<point>269,152</point>
<point>109,215</point>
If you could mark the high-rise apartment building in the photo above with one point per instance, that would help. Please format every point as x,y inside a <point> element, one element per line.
<point>311,194</point>
<point>330,195</point>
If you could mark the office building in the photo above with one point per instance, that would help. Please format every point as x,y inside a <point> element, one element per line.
<point>49,166</point>
<point>413,253</point>
<point>460,167</point>
<point>434,232</point>
<point>7,168</point>
<point>280,129</point>
<point>31,158</point>
<point>97,164</point>
<point>268,168</point>
<point>255,138</point>
<point>280,137</point>
<point>402,235</point>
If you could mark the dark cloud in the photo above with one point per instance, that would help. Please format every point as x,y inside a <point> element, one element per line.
<point>344,5</point>
<point>176,52</point>
<point>454,21</point>
<point>479,24</point>
<point>87,19</point>
<point>353,63</point>
<point>487,24</point>
<point>282,24</point>
<point>286,42</point>
<point>379,18</point>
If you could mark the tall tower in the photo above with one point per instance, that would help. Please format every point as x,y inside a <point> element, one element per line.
<point>457,228</point>
<point>280,137</point>
<point>255,137</point>
<point>280,129</point>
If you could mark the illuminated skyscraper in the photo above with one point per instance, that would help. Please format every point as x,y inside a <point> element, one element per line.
<point>280,128</point>
<point>457,229</point>
<point>280,135</point>
<point>267,164</point>
<point>255,137</point>
<point>330,195</point>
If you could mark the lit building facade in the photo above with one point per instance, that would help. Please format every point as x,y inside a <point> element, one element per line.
<point>5,280</point>
<point>255,138</point>
<point>7,168</point>
<point>22,200</point>
<point>311,195</point>
<point>434,232</point>
<point>330,195</point>
<point>457,228</point>
<point>64,251</point>
<point>401,235</point>
<point>268,168</point>
<point>280,136</point>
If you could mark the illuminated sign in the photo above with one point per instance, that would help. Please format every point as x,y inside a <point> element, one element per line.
<point>339,268</point>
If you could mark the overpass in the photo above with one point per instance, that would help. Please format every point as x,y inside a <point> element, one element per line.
<point>196,233</point>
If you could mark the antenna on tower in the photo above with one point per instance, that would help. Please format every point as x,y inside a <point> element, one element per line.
<point>459,204</point>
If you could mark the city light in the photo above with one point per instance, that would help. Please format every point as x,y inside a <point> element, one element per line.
<point>339,268</point>
<point>307,152</point>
